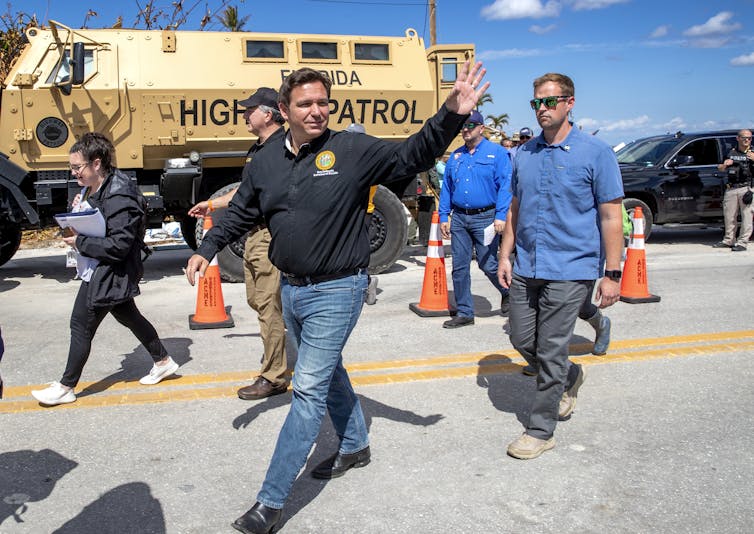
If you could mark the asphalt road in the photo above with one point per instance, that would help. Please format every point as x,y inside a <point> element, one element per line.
<point>660,440</point>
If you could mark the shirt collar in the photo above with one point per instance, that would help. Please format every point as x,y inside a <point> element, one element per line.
<point>564,145</point>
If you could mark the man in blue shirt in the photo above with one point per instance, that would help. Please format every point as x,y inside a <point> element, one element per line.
<point>565,219</point>
<point>476,189</point>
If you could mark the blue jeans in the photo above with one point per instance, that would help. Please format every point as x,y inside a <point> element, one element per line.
<point>320,318</point>
<point>467,231</point>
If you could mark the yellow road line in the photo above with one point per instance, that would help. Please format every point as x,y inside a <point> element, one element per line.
<point>196,387</point>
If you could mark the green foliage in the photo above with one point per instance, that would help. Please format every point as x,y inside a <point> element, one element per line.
<point>13,37</point>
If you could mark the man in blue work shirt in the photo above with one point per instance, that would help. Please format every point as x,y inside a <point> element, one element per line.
<point>565,220</point>
<point>476,189</point>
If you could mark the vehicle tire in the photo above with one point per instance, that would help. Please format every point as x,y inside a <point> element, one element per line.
<point>188,230</point>
<point>388,231</point>
<point>230,259</point>
<point>631,204</point>
<point>10,240</point>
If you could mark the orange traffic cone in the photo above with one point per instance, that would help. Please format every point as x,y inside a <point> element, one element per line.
<point>210,306</point>
<point>434,298</point>
<point>633,287</point>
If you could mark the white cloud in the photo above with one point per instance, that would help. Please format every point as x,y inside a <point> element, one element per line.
<point>626,124</point>
<point>521,9</point>
<point>541,30</point>
<point>743,61</point>
<point>660,31</point>
<point>709,42</point>
<point>489,55</point>
<point>716,25</point>
<point>674,124</point>
<point>587,123</point>
<point>595,4</point>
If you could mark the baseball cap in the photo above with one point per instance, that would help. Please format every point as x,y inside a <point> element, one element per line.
<point>356,128</point>
<point>264,96</point>
<point>525,132</point>
<point>476,117</point>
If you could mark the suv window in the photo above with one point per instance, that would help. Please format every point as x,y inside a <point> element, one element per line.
<point>646,151</point>
<point>728,144</point>
<point>704,152</point>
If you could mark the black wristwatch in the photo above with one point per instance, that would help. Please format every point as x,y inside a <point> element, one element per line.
<point>613,275</point>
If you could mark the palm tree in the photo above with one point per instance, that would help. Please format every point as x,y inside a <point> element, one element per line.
<point>486,98</point>
<point>498,121</point>
<point>230,21</point>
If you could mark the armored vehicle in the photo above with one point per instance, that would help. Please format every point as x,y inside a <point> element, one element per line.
<point>169,102</point>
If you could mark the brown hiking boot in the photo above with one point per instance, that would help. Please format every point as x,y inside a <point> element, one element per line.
<point>528,447</point>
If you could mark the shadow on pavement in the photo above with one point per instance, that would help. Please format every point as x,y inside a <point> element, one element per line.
<point>138,363</point>
<point>127,509</point>
<point>306,488</point>
<point>29,476</point>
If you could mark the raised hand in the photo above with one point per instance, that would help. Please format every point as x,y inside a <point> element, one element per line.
<point>468,89</point>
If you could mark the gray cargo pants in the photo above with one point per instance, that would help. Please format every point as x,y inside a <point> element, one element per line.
<point>542,317</point>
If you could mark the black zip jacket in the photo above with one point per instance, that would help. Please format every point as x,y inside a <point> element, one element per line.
<point>116,278</point>
<point>314,203</point>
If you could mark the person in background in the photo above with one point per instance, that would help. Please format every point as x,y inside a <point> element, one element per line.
<point>740,168</point>
<point>520,138</point>
<point>110,280</point>
<point>476,190</point>
<point>566,224</point>
<point>262,278</point>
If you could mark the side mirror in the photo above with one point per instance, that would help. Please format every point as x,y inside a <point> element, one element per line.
<point>681,161</point>
<point>77,64</point>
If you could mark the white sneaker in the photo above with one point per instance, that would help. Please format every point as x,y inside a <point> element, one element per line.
<point>56,394</point>
<point>159,372</point>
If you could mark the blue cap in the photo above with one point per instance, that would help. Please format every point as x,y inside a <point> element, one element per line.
<point>525,132</point>
<point>476,117</point>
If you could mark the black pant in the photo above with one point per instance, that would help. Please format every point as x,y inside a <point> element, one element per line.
<point>84,324</point>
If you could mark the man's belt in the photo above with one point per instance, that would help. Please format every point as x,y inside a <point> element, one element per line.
<point>733,185</point>
<point>473,211</point>
<point>296,280</point>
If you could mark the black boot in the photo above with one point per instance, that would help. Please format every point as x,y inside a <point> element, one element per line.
<point>260,519</point>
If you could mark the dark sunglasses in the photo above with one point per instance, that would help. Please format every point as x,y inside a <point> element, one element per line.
<point>470,125</point>
<point>548,101</point>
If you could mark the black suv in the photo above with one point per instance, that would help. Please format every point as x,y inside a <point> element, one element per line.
<point>674,177</point>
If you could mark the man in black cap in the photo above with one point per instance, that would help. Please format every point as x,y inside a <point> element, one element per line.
<point>262,278</point>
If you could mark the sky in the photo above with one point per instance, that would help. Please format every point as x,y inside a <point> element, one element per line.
<point>640,67</point>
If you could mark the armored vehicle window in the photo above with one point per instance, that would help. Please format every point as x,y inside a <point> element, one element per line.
<point>371,52</point>
<point>315,50</point>
<point>449,69</point>
<point>62,71</point>
<point>704,152</point>
<point>265,49</point>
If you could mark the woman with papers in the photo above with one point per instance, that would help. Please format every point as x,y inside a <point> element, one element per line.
<point>111,274</point>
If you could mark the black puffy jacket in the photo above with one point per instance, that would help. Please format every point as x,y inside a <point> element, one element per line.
<point>116,277</point>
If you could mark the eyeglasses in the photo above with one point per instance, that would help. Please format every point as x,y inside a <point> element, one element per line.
<point>77,167</point>
<point>548,101</point>
<point>470,125</point>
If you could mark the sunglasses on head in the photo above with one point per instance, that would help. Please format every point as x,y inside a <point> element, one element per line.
<point>548,101</point>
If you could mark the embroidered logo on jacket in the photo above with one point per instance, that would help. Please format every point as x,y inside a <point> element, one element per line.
<point>324,162</point>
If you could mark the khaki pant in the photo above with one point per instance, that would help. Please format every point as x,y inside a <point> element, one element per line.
<point>263,295</point>
<point>732,204</point>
